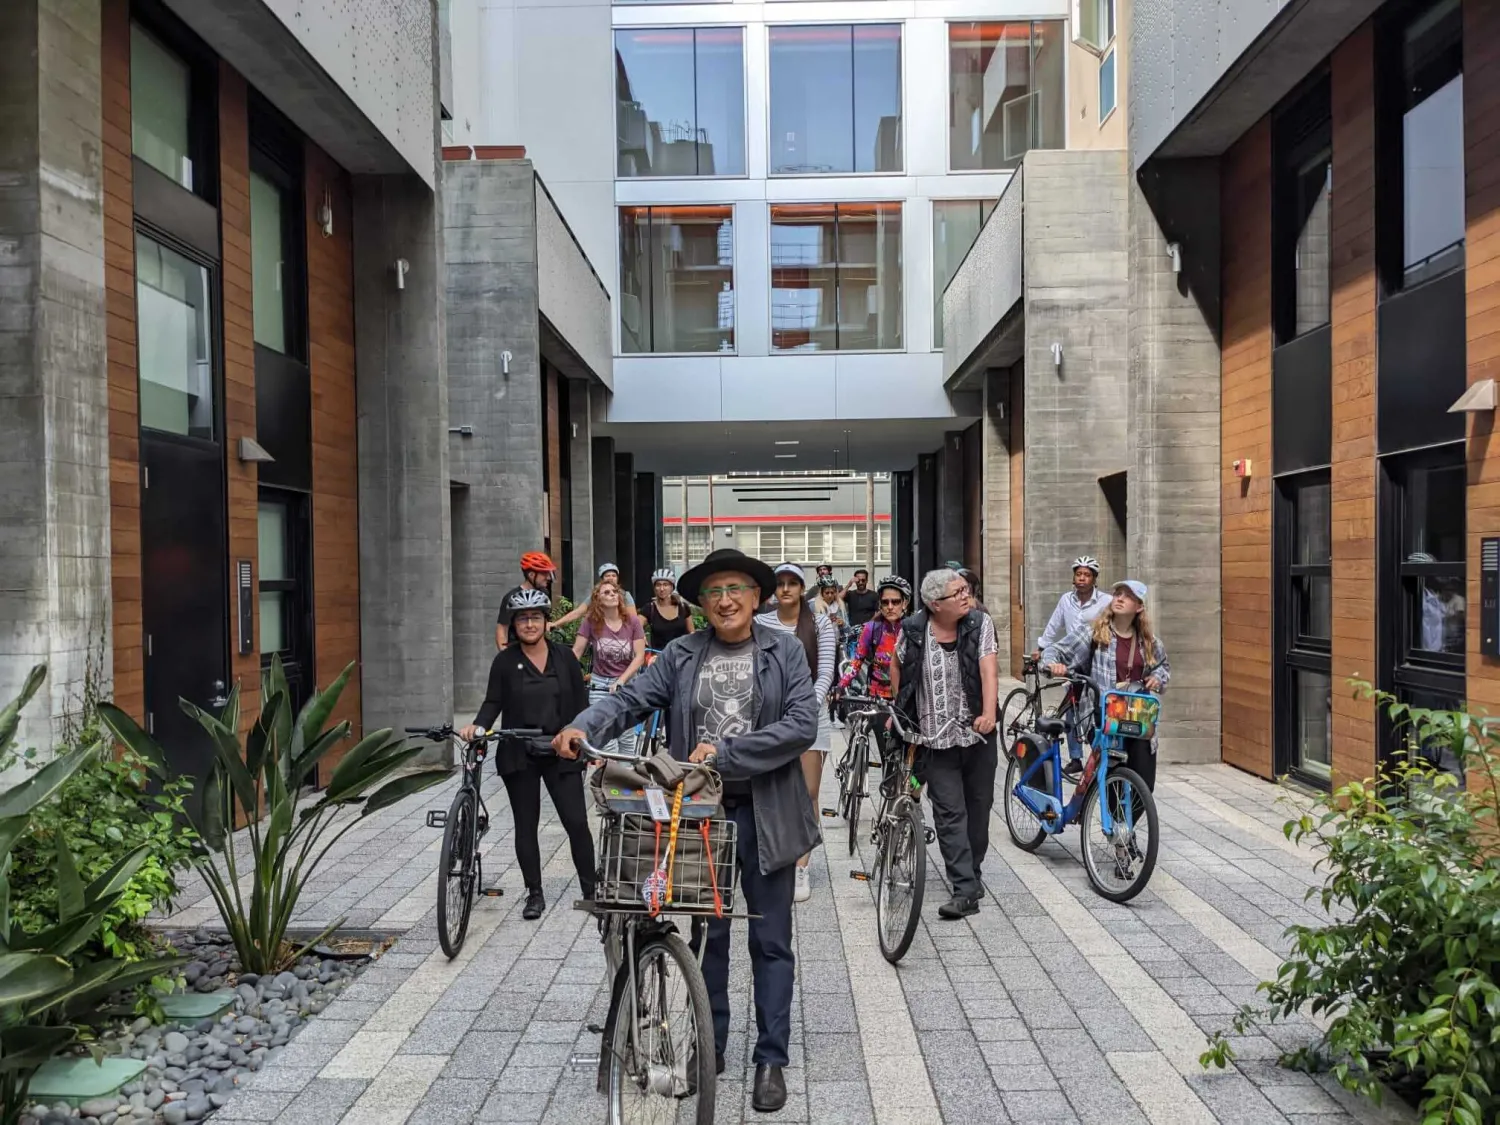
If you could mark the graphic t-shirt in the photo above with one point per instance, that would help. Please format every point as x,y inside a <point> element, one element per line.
<point>614,649</point>
<point>724,699</point>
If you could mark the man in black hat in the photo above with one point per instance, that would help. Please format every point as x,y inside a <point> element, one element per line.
<point>740,696</point>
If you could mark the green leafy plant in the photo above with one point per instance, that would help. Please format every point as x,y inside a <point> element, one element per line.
<point>1408,972</point>
<point>46,978</point>
<point>259,780</point>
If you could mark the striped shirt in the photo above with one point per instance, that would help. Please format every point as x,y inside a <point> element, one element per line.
<point>827,634</point>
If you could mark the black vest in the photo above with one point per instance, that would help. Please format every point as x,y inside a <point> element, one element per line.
<point>913,665</point>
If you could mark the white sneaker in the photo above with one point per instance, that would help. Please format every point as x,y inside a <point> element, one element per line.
<point>804,885</point>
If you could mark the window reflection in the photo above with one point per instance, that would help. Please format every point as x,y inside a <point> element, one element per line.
<point>160,107</point>
<point>1005,93</point>
<point>1432,141</point>
<point>1312,738</point>
<point>836,99</point>
<point>836,277</point>
<point>681,102</point>
<point>677,279</point>
<point>174,339</point>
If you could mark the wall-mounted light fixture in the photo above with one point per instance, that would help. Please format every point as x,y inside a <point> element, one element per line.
<point>1480,398</point>
<point>462,431</point>
<point>1056,354</point>
<point>253,453</point>
<point>325,214</point>
<point>505,364</point>
<point>402,267</point>
<point>1174,249</point>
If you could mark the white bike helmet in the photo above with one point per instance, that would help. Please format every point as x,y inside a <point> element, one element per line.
<point>665,574</point>
<point>1086,561</point>
<point>897,583</point>
<point>528,599</point>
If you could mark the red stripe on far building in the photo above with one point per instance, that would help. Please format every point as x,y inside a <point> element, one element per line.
<point>702,521</point>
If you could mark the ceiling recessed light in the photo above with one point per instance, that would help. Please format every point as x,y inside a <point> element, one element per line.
<point>786,456</point>
<point>788,443</point>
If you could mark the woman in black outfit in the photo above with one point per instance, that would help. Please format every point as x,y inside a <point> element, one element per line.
<point>667,615</point>
<point>537,683</point>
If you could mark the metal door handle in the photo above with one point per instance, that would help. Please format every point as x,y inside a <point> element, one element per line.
<point>219,698</point>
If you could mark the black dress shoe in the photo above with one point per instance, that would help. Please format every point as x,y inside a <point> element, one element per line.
<point>959,906</point>
<point>536,905</point>
<point>770,1089</point>
<point>718,1063</point>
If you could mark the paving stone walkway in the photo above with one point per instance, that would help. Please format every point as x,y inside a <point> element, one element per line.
<point>1050,1006</point>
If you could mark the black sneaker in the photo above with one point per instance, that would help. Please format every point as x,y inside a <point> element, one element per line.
<point>1074,769</point>
<point>536,905</point>
<point>959,907</point>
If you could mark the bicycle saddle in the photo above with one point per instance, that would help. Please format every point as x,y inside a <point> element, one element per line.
<point>1049,725</point>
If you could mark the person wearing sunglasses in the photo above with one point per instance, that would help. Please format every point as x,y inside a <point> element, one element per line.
<point>739,696</point>
<point>947,675</point>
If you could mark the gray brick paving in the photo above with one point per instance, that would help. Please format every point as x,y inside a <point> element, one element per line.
<point>1004,1017</point>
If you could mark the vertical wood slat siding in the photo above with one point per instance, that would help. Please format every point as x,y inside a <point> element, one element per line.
<point>1482,282</point>
<point>1245,432</point>
<point>335,469</point>
<point>1353,475</point>
<point>242,479</point>
<point>128,641</point>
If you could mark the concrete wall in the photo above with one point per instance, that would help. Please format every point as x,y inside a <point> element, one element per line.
<point>603,489</point>
<point>54,453</point>
<point>989,283</point>
<point>581,480</point>
<point>489,213</point>
<point>994,454</point>
<point>570,294</point>
<point>1077,295</point>
<point>406,646</point>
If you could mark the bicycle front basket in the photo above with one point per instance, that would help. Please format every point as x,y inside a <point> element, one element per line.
<point>631,848</point>
<point>1129,714</point>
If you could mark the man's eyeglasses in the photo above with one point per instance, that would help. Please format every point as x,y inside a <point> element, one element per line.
<point>714,593</point>
<point>895,603</point>
<point>961,592</point>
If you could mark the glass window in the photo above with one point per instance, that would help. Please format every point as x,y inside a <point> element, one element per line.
<point>1311,571</point>
<point>1310,262</point>
<point>771,541</point>
<point>160,107</point>
<point>1094,24</point>
<point>700,542</point>
<point>1435,514</point>
<point>680,101</point>
<point>836,277</point>
<point>1302,139</point>
<point>955,226</point>
<point>671,544</point>
<point>1431,566</point>
<point>1005,92</point>
<point>1432,142</point>
<point>274,549</point>
<point>1107,90</point>
<point>267,263</point>
<point>836,99</point>
<point>174,339</point>
<point>1312,722</point>
<point>676,279</point>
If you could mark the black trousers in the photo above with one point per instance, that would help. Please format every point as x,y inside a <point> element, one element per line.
<point>1138,756</point>
<point>566,790</point>
<point>960,782</point>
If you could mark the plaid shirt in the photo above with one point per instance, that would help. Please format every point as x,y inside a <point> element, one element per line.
<point>1074,651</point>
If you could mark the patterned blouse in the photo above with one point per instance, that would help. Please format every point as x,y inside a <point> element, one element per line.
<point>877,647</point>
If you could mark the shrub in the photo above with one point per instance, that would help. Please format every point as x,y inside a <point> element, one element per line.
<point>1409,970</point>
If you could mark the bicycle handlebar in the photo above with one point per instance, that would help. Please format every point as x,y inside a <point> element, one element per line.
<point>446,731</point>
<point>588,750</point>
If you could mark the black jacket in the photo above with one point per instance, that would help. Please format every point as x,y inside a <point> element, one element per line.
<point>506,695</point>
<point>913,664</point>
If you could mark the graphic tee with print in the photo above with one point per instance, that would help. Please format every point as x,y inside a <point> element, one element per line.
<point>614,649</point>
<point>943,717</point>
<point>724,699</point>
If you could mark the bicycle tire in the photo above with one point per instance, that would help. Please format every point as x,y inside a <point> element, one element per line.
<point>1017,814</point>
<point>858,772</point>
<point>1147,810</point>
<point>1017,715</point>
<point>904,836</point>
<point>700,1043</point>
<point>456,894</point>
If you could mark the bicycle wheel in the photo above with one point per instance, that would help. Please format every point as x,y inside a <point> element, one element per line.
<point>859,767</point>
<point>901,877</point>
<point>1120,864</point>
<point>1017,715</point>
<point>457,874</point>
<point>1025,827</point>
<point>664,1072</point>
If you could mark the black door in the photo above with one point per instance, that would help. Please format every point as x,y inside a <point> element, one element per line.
<point>184,580</point>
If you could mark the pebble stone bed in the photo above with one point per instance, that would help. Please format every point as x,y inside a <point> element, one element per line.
<point>192,1069</point>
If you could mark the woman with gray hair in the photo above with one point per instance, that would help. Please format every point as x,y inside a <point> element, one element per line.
<point>946,672</point>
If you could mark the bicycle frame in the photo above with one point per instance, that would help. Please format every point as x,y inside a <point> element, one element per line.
<point>1048,807</point>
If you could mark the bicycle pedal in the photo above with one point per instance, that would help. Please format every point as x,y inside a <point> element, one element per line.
<point>831,814</point>
<point>929,833</point>
<point>591,1061</point>
<point>860,876</point>
<point>595,1029</point>
<point>492,892</point>
<point>437,818</point>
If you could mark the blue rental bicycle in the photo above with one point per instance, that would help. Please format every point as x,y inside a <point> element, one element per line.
<point>1111,803</point>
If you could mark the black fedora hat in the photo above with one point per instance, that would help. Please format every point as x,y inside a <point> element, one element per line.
<point>726,559</point>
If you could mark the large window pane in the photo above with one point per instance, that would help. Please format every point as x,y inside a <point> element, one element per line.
<point>267,265</point>
<point>804,277</point>
<point>836,99</point>
<point>869,276</point>
<point>160,107</point>
<point>273,565</point>
<point>1433,140</point>
<point>174,333</point>
<point>1312,723</point>
<point>1311,263</point>
<point>1005,91</point>
<point>1312,524</point>
<point>1435,515</point>
<point>677,279</point>
<point>681,102</point>
<point>955,226</point>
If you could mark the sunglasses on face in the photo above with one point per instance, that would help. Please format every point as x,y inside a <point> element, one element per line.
<point>892,603</point>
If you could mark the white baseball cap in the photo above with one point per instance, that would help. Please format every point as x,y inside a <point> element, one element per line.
<point>794,570</point>
<point>1136,588</point>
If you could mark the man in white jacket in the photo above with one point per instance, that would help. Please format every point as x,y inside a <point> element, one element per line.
<point>1082,603</point>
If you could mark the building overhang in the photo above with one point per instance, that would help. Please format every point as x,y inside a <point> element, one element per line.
<point>983,322</point>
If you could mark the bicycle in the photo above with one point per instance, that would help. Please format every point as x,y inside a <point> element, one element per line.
<point>1023,705</point>
<point>899,834</point>
<point>852,769</point>
<point>656,1063</point>
<point>1112,826</point>
<point>460,865</point>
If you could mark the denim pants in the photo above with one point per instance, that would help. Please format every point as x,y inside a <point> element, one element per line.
<point>772,962</point>
<point>599,688</point>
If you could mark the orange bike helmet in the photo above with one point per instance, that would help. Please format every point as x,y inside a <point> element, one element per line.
<point>537,561</point>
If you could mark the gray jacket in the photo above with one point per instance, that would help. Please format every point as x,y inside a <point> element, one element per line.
<point>786,722</point>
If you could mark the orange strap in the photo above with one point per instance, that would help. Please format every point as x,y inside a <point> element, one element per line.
<point>655,905</point>
<point>672,839</point>
<point>713,869</point>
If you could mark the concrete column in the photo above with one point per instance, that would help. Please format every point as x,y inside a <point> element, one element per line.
<point>54,401</point>
<point>581,478</point>
<point>994,456</point>
<point>625,529</point>
<point>902,527</point>
<point>490,284</point>
<point>605,502</point>
<point>406,593</point>
<point>648,514</point>
<point>1173,485</point>
<point>950,498</point>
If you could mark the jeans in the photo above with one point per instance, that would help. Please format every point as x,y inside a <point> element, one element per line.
<point>772,962</point>
<point>599,688</point>
<point>960,783</point>
<point>566,790</point>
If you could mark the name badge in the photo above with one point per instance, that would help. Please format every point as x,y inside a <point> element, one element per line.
<point>656,801</point>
